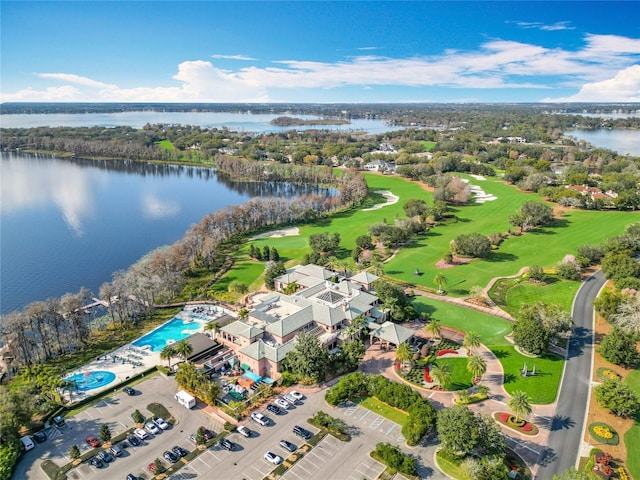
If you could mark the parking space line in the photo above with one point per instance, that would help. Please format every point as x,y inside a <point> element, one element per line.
<point>367,412</point>
<point>393,425</point>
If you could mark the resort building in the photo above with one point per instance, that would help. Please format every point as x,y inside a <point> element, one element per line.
<point>325,303</point>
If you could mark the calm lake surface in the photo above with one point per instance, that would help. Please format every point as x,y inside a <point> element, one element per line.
<point>243,122</point>
<point>65,224</point>
<point>625,142</point>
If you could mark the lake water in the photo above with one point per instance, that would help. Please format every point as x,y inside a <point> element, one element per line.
<point>625,142</point>
<point>65,224</point>
<point>243,122</point>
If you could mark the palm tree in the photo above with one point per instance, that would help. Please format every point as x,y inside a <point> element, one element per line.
<point>167,353</point>
<point>376,266</point>
<point>360,322</point>
<point>237,288</point>
<point>183,349</point>
<point>212,326</point>
<point>520,403</point>
<point>333,264</point>
<point>441,374</point>
<point>441,281</point>
<point>404,353</point>
<point>471,340</point>
<point>243,313</point>
<point>477,366</point>
<point>433,328</point>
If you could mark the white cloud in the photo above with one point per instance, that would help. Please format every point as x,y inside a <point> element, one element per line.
<point>234,57</point>
<point>566,25</point>
<point>623,87</point>
<point>494,64</point>
<point>368,48</point>
<point>76,79</point>
<point>155,208</point>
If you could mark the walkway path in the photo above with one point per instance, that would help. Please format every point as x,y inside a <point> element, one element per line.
<point>531,449</point>
<point>489,310</point>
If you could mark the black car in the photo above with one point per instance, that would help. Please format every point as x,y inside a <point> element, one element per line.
<point>208,434</point>
<point>288,445</point>
<point>181,452</point>
<point>131,476</point>
<point>96,462</point>
<point>226,444</point>
<point>274,409</point>
<point>129,391</point>
<point>40,436</point>
<point>133,440</point>
<point>170,456</point>
<point>106,456</point>
<point>301,432</point>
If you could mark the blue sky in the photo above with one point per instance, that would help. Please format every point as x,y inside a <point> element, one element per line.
<point>163,51</point>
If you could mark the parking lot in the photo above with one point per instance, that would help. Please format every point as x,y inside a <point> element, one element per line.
<point>330,459</point>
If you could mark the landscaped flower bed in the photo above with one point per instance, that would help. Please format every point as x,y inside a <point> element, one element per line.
<point>427,376</point>
<point>518,424</point>
<point>602,432</point>
<point>447,352</point>
<point>604,373</point>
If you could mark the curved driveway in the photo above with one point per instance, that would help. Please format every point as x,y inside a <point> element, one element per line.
<point>567,425</point>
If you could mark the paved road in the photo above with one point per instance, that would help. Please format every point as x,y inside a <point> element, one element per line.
<point>567,424</point>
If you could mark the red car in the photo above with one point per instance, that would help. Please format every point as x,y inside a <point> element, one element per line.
<point>92,441</point>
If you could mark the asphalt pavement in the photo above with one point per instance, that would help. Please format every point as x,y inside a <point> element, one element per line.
<point>567,425</point>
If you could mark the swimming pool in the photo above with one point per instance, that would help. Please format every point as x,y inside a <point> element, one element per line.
<point>91,380</point>
<point>172,331</point>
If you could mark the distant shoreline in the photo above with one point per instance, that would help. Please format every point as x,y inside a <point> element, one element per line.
<point>297,122</point>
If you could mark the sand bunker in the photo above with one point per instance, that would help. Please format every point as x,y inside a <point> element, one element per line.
<point>479,195</point>
<point>391,199</point>
<point>285,232</point>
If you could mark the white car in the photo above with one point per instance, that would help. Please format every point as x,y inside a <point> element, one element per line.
<point>297,395</point>
<point>273,458</point>
<point>288,398</point>
<point>161,423</point>
<point>259,418</point>
<point>152,428</point>
<point>140,433</point>
<point>244,431</point>
<point>282,403</point>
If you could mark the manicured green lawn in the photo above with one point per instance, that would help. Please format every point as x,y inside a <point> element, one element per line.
<point>384,410</point>
<point>492,330</point>
<point>545,247</point>
<point>543,387</point>
<point>450,468</point>
<point>632,436</point>
<point>554,291</point>
<point>460,376</point>
<point>166,144</point>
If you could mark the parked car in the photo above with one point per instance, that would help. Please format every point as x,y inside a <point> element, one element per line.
<point>40,436</point>
<point>170,456</point>
<point>208,434</point>
<point>58,421</point>
<point>131,476</point>
<point>301,432</point>
<point>288,446</point>
<point>134,440</point>
<point>244,431</point>
<point>106,456</point>
<point>297,395</point>
<point>273,458</point>
<point>282,403</point>
<point>181,452</point>
<point>290,399</point>
<point>192,438</point>
<point>152,428</point>
<point>140,433</point>
<point>260,418</point>
<point>92,441</point>
<point>226,444</point>
<point>96,462</point>
<point>161,423</point>
<point>116,450</point>
<point>129,391</point>
<point>274,409</point>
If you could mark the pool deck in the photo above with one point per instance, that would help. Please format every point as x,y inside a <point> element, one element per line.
<point>142,361</point>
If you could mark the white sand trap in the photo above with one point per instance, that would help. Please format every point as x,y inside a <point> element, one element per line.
<point>477,177</point>
<point>391,199</point>
<point>479,195</point>
<point>285,232</point>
